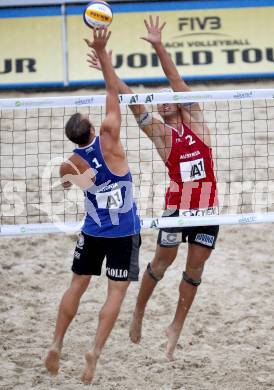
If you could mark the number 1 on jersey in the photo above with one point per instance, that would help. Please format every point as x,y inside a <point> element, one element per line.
<point>96,162</point>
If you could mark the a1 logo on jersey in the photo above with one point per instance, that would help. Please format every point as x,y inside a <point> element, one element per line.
<point>110,199</point>
<point>192,170</point>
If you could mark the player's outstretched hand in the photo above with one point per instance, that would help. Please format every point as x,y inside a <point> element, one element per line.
<point>154,30</point>
<point>100,37</point>
<point>93,60</point>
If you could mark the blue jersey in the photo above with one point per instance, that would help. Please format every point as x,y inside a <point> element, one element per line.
<point>109,205</point>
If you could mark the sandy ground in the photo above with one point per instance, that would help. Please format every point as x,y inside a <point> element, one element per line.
<point>227,342</point>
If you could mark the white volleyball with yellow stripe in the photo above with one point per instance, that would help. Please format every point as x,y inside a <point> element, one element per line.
<point>97,14</point>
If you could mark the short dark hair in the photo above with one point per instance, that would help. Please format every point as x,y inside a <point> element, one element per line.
<point>78,129</point>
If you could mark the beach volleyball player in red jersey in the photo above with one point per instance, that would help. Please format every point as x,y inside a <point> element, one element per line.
<point>184,145</point>
<point>182,140</point>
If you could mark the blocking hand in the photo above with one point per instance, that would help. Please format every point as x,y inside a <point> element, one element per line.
<point>93,60</point>
<point>154,30</point>
<point>100,37</point>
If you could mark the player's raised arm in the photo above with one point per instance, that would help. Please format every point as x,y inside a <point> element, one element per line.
<point>191,113</point>
<point>154,36</point>
<point>112,122</point>
<point>150,125</point>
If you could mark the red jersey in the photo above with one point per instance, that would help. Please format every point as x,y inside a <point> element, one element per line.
<point>191,172</point>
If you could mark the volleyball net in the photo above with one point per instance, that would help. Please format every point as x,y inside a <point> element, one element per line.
<point>33,145</point>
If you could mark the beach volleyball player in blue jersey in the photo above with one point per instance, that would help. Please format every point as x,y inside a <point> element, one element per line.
<point>111,228</point>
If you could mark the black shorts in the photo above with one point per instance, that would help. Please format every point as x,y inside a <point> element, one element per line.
<point>200,235</point>
<point>122,254</point>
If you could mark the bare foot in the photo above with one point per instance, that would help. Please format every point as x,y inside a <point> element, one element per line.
<point>52,361</point>
<point>89,371</point>
<point>172,335</point>
<point>135,331</point>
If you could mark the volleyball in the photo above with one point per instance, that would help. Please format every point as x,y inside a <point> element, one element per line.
<point>97,14</point>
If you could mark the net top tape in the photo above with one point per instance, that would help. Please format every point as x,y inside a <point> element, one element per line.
<point>142,98</point>
<point>156,223</point>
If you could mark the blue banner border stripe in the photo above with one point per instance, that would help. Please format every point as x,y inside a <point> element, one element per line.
<point>57,84</point>
<point>6,13</point>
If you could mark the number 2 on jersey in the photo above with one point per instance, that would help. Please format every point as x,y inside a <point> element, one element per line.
<point>190,139</point>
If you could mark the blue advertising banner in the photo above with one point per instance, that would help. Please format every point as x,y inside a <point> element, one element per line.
<point>44,47</point>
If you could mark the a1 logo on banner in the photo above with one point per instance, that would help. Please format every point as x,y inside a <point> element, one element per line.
<point>192,170</point>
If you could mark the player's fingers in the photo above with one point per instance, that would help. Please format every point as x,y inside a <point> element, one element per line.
<point>102,31</point>
<point>157,21</point>
<point>145,39</point>
<point>151,21</point>
<point>99,32</point>
<point>92,65</point>
<point>91,60</point>
<point>91,57</point>
<point>162,26</point>
<point>146,24</point>
<point>87,42</point>
<point>108,35</point>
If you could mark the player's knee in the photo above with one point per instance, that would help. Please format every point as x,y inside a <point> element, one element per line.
<point>193,281</point>
<point>117,295</point>
<point>195,267</point>
<point>195,271</point>
<point>80,283</point>
<point>157,273</point>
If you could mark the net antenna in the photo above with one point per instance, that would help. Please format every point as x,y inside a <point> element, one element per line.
<point>33,145</point>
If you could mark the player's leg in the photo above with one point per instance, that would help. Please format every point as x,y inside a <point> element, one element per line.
<point>82,268</point>
<point>107,318</point>
<point>198,253</point>
<point>187,290</point>
<point>122,267</point>
<point>67,311</point>
<point>166,252</point>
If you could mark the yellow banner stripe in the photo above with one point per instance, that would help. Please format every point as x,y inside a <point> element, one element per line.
<point>97,15</point>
